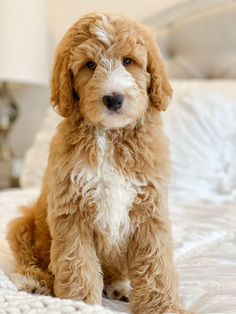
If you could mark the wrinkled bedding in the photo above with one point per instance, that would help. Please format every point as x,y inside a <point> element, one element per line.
<point>204,237</point>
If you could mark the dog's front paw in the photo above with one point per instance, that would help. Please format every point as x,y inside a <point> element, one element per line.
<point>118,290</point>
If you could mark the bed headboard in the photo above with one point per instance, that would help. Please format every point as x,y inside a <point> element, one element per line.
<point>198,38</point>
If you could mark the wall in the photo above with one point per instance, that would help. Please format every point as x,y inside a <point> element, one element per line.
<point>33,101</point>
<point>63,13</point>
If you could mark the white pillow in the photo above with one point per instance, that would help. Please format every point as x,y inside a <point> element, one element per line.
<point>201,126</point>
<point>37,155</point>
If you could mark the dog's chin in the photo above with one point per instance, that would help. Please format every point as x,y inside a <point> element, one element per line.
<point>109,119</point>
<point>116,121</point>
<point>113,120</point>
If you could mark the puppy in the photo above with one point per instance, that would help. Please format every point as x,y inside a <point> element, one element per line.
<point>102,216</point>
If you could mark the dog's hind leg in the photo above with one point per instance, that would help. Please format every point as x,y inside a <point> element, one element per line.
<point>20,237</point>
<point>33,280</point>
<point>29,276</point>
<point>116,283</point>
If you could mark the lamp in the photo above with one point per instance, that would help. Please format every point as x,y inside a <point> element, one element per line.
<point>23,59</point>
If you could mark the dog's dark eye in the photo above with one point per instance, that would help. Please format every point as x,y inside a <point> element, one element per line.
<point>127,61</point>
<point>91,65</point>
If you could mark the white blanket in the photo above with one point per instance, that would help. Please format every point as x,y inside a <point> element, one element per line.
<point>205,253</point>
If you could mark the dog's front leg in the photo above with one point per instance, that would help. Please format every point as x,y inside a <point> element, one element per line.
<point>151,270</point>
<point>74,261</point>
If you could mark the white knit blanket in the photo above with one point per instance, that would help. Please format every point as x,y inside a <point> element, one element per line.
<point>13,301</point>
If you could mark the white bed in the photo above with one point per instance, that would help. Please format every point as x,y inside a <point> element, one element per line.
<point>205,253</point>
<point>202,203</point>
<point>201,126</point>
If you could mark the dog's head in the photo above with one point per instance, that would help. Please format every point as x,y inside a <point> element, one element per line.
<point>108,67</point>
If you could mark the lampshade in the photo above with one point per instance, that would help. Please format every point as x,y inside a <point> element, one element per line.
<point>23,41</point>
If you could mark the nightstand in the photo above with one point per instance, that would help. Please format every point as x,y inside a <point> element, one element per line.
<point>10,172</point>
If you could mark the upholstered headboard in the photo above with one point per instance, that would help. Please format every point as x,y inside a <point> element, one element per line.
<point>198,38</point>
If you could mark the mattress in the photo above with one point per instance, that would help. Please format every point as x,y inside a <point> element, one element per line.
<point>204,238</point>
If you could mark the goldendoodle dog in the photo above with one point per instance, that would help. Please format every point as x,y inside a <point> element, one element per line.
<point>100,224</point>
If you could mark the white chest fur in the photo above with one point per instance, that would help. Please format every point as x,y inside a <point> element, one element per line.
<point>112,194</point>
<point>115,197</point>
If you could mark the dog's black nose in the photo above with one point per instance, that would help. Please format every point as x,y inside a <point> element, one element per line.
<point>113,102</point>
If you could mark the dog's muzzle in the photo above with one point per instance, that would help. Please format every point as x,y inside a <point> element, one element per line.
<point>113,102</point>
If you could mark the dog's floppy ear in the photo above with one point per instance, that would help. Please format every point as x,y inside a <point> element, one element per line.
<point>62,81</point>
<point>160,89</point>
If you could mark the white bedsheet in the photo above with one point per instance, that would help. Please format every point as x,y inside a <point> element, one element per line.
<point>205,253</point>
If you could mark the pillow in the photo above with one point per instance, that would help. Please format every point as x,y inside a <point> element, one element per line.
<point>201,126</point>
<point>37,155</point>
